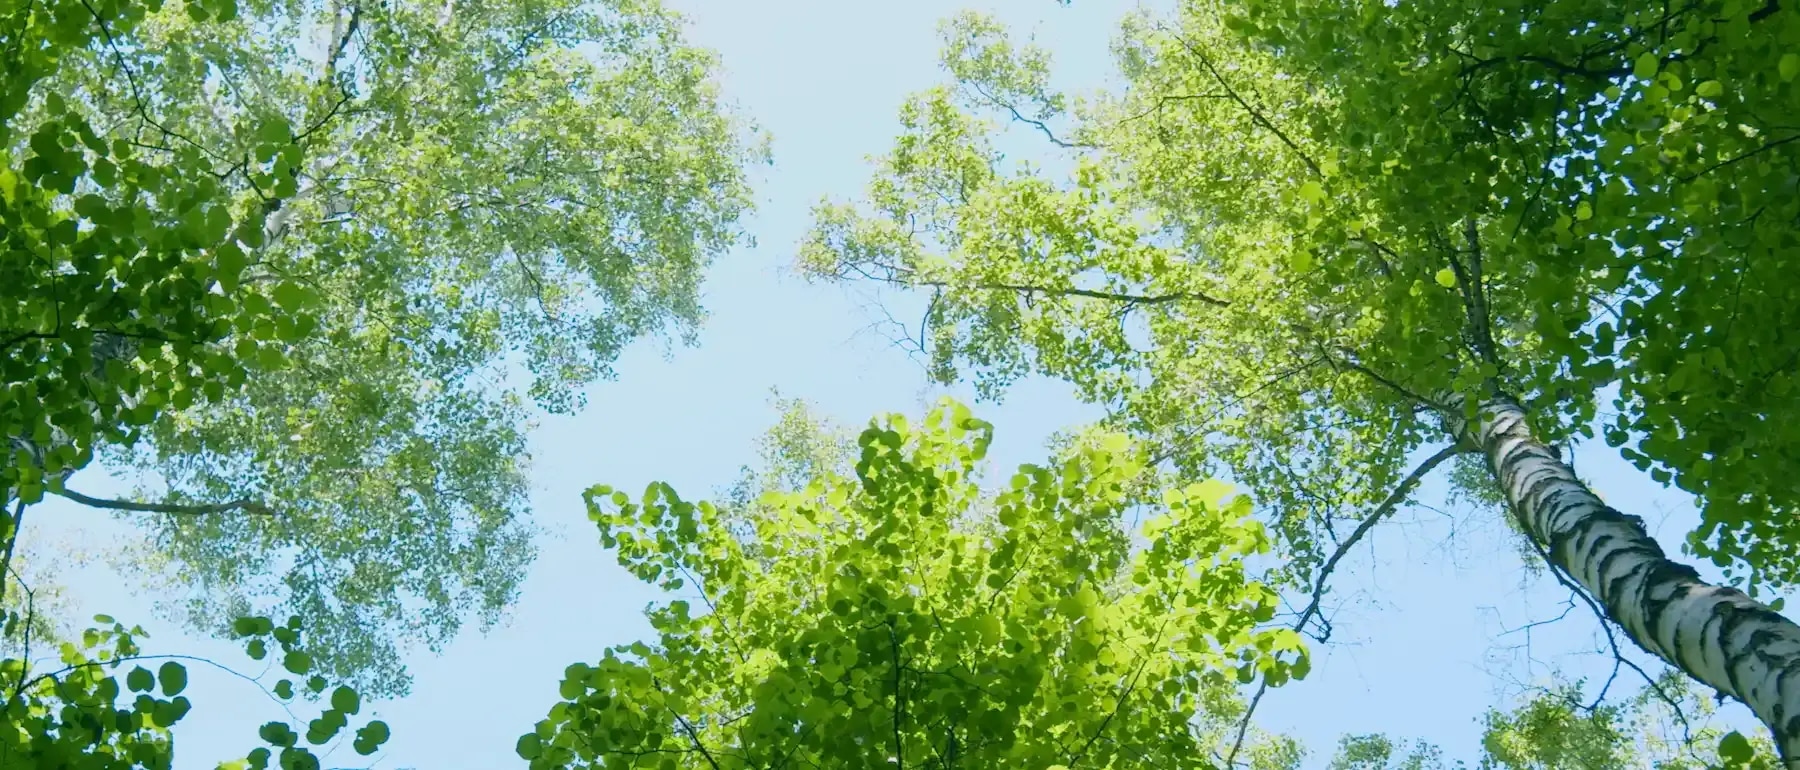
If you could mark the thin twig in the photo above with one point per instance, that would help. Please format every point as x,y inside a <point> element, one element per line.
<point>1387,506</point>
<point>693,736</point>
<point>1255,115</point>
<point>1606,625</point>
<point>1738,158</point>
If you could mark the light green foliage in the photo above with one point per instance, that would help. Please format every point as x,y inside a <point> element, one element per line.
<point>1664,726</point>
<point>1177,229</point>
<point>905,616</point>
<point>438,215</point>
<point>1551,731</point>
<point>802,446</point>
<point>1378,752</point>
<point>1298,221</point>
<point>111,706</point>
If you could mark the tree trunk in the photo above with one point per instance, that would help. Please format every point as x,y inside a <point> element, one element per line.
<point>1716,634</point>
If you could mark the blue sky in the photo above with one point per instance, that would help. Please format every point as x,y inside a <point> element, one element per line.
<point>1418,649</point>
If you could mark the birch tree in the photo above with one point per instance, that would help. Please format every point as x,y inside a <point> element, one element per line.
<point>1309,242</point>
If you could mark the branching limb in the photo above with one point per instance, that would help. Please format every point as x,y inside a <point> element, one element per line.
<point>248,506</point>
<point>1255,114</point>
<point>897,275</point>
<point>694,737</point>
<point>1612,641</point>
<point>343,41</point>
<point>1475,296</point>
<point>1740,158</point>
<point>1382,511</point>
<point>1110,296</point>
<point>1347,359</point>
<point>1020,117</point>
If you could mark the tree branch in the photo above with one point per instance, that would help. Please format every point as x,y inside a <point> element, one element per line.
<point>899,703</point>
<point>1134,299</point>
<point>1470,285</point>
<point>1740,157</point>
<point>1378,377</point>
<point>1387,506</point>
<point>249,506</point>
<point>694,737</point>
<point>1255,115</point>
<point>1612,641</point>
<point>1020,117</point>
<point>343,41</point>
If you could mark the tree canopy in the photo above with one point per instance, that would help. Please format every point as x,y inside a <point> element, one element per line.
<point>306,271</point>
<point>403,226</point>
<point>904,616</point>
<point>1309,242</point>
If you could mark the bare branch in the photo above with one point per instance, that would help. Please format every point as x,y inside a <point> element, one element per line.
<point>248,506</point>
<point>1353,365</point>
<point>1020,117</point>
<point>1387,506</point>
<point>1612,641</point>
<point>1028,289</point>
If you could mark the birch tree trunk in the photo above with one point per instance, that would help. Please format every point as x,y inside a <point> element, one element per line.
<point>1716,634</point>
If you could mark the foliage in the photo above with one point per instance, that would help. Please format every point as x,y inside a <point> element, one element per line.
<point>1298,204</point>
<point>111,253</point>
<point>1302,226</point>
<point>1377,752</point>
<point>93,714</point>
<point>346,270</point>
<point>801,446</point>
<point>1665,725</point>
<point>906,617</point>
<point>1632,178</point>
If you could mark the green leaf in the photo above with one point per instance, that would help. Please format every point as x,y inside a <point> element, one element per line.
<point>1734,747</point>
<point>1446,278</point>
<point>1789,66</point>
<point>290,296</point>
<point>297,662</point>
<point>1646,66</point>
<point>173,677</point>
<point>274,131</point>
<point>1312,192</point>
<point>1709,89</point>
<point>277,734</point>
<point>140,680</point>
<point>346,700</point>
<point>370,737</point>
<point>529,746</point>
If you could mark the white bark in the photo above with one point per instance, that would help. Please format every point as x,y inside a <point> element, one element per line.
<point>1716,634</point>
